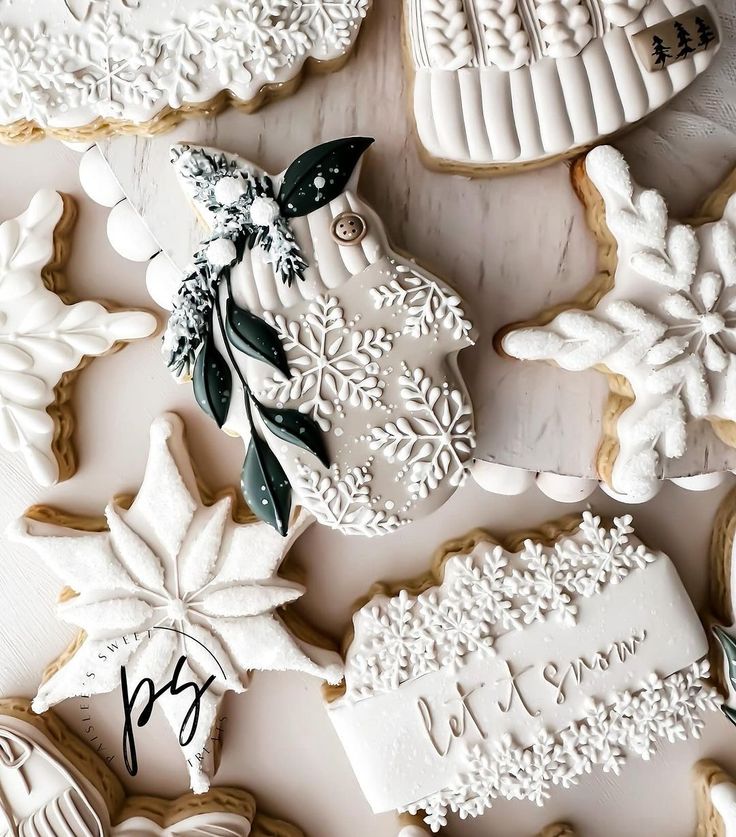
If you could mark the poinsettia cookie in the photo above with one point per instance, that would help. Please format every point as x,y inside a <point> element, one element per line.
<point>716,797</point>
<point>505,84</point>
<point>333,357</point>
<point>54,785</point>
<point>76,69</point>
<point>184,590</point>
<point>45,339</point>
<point>658,320</point>
<point>517,666</point>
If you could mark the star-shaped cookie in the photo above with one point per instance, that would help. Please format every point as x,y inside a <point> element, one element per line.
<point>45,339</point>
<point>52,783</point>
<point>659,320</point>
<point>179,590</point>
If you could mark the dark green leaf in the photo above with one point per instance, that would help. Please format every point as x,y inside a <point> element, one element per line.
<point>297,429</point>
<point>265,486</point>
<point>213,382</point>
<point>728,644</point>
<point>255,337</point>
<point>333,162</point>
<point>729,713</point>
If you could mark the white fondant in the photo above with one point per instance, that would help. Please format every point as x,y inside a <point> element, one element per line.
<point>723,797</point>
<point>371,340</point>
<point>129,235</point>
<point>586,628</point>
<point>501,479</point>
<point>41,337</point>
<point>565,489</point>
<point>162,280</point>
<point>702,482</point>
<point>97,179</point>
<point>133,61</point>
<point>502,82</point>
<point>667,325</point>
<point>217,824</point>
<point>171,562</point>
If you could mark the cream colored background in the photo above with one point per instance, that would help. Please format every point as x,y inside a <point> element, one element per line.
<point>280,743</point>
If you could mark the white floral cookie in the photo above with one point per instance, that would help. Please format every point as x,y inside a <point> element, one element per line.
<point>76,69</point>
<point>52,784</point>
<point>658,320</point>
<point>45,338</point>
<point>333,357</point>
<point>186,593</point>
<point>503,84</point>
<point>517,666</point>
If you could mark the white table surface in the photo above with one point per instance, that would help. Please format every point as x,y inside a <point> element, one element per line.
<point>280,743</point>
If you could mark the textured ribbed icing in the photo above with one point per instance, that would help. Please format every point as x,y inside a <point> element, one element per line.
<point>552,78</point>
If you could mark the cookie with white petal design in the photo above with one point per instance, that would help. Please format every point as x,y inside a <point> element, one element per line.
<point>78,69</point>
<point>187,593</point>
<point>659,320</point>
<point>502,85</point>
<point>519,665</point>
<point>45,339</point>
<point>53,784</point>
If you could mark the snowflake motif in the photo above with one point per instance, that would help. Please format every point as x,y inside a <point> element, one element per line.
<point>177,579</point>
<point>42,339</point>
<point>111,68</point>
<point>484,593</point>
<point>332,363</point>
<point>435,442</point>
<point>672,336</point>
<point>28,75</point>
<point>344,502</point>
<point>330,21</point>
<point>425,304</point>
<point>632,725</point>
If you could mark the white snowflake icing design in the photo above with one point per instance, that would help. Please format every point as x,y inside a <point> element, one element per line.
<point>425,304</point>
<point>344,502</point>
<point>667,708</point>
<point>174,578</point>
<point>106,59</point>
<point>668,326</point>
<point>41,338</point>
<point>485,594</point>
<point>435,440</point>
<point>332,363</point>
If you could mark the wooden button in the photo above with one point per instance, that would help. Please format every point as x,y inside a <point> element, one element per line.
<point>349,228</point>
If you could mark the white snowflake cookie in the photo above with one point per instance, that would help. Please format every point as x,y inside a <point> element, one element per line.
<point>308,336</point>
<point>185,593</point>
<point>72,68</point>
<point>659,321</point>
<point>45,339</point>
<point>506,83</point>
<point>53,784</point>
<point>518,666</point>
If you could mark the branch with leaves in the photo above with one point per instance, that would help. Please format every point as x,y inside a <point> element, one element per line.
<point>248,214</point>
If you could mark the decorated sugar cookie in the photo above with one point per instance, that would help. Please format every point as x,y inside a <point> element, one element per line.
<point>659,320</point>
<point>45,339</point>
<point>77,69</point>
<point>186,593</point>
<point>716,797</point>
<point>330,355</point>
<point>414,827</point>
<point>52,784</point>
<point>504,84</point>
<point>519,666</point>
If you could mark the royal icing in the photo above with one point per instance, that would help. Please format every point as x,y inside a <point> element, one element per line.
<point>217,824</point>
<point>67,63</point>
<point>667,325</point>
<point>723,798</point>
<point>172,578</point>
<point>42,338</point>
<point>521,671</point>
<point>504,82</point>
<point>329,354</point>
<point>413,831</point>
